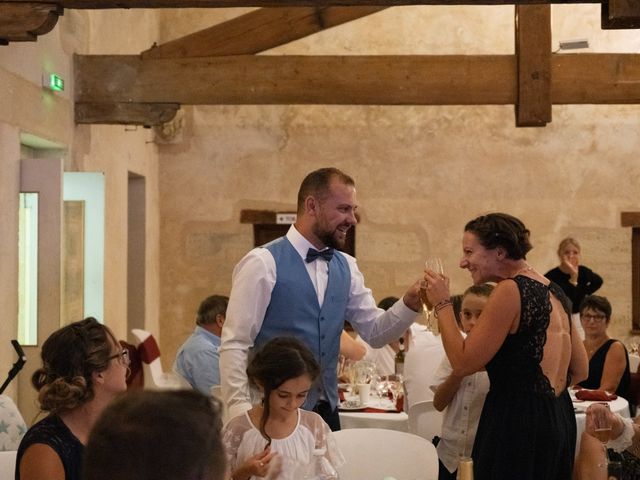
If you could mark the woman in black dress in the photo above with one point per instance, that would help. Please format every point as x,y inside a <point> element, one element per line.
<point>608,357</point>
<point>608,371</point>
<point>527,428</point>
<point>83,369</point>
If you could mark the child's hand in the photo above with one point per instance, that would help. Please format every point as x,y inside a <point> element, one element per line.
<point>259,464</point>
<point>275,467</point>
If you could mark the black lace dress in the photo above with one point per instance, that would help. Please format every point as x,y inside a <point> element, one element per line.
<point>53,432</point>
<point>525,431</point>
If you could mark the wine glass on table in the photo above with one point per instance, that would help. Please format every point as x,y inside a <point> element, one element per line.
<point>435,264</point>
<point>380,387</point>
<point>602,426</point>
<point>395,386</point>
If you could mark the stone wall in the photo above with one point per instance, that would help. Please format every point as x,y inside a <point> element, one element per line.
<point>26,108</point>
<point>421,172</point>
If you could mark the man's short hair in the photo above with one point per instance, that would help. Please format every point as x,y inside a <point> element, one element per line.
<point>317,184</point>
<point>210,308</point>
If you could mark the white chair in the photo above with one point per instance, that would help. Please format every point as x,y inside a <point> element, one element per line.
<point>12,429</point>
<point>634,362</point>
<point>154,377</point>
<point>376,453</point>
<point>425,420</point>
<point>12,425</point>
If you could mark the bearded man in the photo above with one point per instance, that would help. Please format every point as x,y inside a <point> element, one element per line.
<point>300,285</point>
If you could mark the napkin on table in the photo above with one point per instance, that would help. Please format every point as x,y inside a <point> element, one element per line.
<point>595,395</point>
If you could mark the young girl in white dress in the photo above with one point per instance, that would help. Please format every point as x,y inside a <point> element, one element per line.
<point>278,434</point>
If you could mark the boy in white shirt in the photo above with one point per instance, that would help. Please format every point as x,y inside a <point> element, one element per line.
<point>463,397</point>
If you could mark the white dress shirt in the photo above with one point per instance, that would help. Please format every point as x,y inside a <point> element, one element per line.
<point>254,278</point>
<point>461,417</point>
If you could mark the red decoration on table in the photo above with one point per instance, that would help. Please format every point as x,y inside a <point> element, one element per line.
<point>595,395</point>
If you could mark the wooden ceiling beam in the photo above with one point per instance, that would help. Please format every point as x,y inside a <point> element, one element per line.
<point>620,14</point>
<point>22,22</point>
<point>107,4</point>
<point>258,31</point>
<point>263,79</point>
<point>533,51</point>
<point>349,80</point>
<point>147,114</point>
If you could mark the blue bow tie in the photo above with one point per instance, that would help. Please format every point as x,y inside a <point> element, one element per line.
<point>312,254</point>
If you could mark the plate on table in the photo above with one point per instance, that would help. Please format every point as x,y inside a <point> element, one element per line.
<point>382,404</point>
<point>351,406</point>
<point>343,386</point>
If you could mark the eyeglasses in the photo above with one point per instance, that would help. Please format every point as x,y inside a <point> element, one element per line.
<point>593,318</point>
<point>123,357</point>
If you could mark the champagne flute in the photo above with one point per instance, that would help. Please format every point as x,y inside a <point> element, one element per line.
<point>435,264</point>
<point>602,426</point>
<point>396,386</point>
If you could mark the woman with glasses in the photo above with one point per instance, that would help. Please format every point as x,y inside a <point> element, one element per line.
<point>608,370</point>
<point>608,358</point>
<point>83,369</point>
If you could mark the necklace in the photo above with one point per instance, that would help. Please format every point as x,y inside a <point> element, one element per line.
<point>595,346</point>
<point>526,268</point>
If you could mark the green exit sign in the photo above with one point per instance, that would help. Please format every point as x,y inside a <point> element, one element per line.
<point>53,82</point>
<point>56,83</point>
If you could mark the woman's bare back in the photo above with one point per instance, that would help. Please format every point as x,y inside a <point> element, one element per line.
<point>556,356</point>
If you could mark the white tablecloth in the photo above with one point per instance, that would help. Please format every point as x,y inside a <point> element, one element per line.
<point>390,420</point>
<point>619,405</point>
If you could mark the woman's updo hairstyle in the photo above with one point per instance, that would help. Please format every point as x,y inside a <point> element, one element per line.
<point>279,360</point>
<point>501,230</point>
<point>69,357</point>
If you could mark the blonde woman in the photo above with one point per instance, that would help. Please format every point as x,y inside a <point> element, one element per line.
<point>576,281</point>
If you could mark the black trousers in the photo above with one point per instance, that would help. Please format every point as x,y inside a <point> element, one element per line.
<point>444,474</point>
<point>330,416</point>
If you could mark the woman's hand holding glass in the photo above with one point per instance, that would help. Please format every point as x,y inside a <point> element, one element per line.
<point>433,264</point>
<point>599,424</point>
<point>436,287</point>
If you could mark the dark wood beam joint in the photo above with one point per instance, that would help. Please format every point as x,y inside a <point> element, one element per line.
<point>24,22</point>
<point>619,14</point>
<point>533,51</point>
<point>320,17</point>
<point>632,219</point>
<point>146,114</point>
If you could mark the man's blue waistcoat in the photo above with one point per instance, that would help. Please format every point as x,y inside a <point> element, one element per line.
<point>294,311</point>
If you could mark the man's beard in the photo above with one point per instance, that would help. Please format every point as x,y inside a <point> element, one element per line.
<point>330,240</point>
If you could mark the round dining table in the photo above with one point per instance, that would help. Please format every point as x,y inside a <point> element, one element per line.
<point>379,413</point>
<point>389,420</point>
<point>619,405</point>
